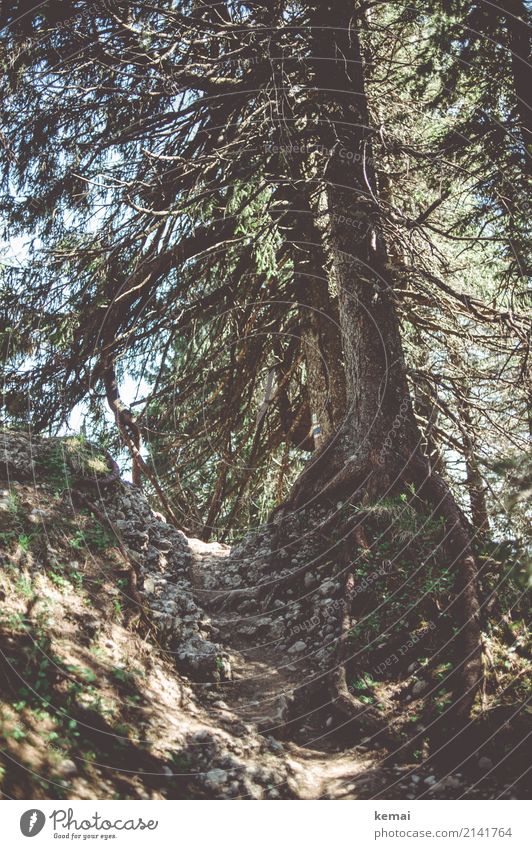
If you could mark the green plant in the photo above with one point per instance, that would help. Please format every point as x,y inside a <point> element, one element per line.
<point>56,469</point>
<point>58,580</point>
<point>24,586</point>
<point>124,676</point>
<point>16,733</point>
<point>13,503</point>
<point>93,537</point>
<point>25,540</point>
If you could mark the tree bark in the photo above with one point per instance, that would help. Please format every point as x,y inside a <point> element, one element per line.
<point>519,46</point>
<point>474,482</point>
<point>322,344</point>
<point>377,392</point>
<point>321,333</point>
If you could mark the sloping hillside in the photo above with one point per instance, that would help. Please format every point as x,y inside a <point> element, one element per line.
<point>137,663</point>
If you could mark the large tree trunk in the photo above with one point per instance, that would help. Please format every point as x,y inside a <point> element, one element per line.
<point>517,24</point>
<point>377,448</point>
<point>322,344</point>
<point>378,398</point>
<point>323,353</point>
<point>320,328</point>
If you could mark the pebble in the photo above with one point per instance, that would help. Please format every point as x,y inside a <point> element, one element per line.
<point>216,777</point>
<point>149,585</point>
<point>419,688</point>
<point>37,515</point>
<point>452,782</point>
<point>67,768</point>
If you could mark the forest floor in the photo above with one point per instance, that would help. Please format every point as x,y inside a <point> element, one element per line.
<point>183,696</point>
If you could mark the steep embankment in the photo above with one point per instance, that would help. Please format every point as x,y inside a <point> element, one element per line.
<point>127,673</point>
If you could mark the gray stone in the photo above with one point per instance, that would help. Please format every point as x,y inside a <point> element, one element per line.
<point>67,768</point>
<point>419,688</point>
<point>149,585</point>
<point>485,763</point>
<point>275,745</point>
<point>38,515</point>
<point>327,588</point>
<point>452,782</point>
<point>216,778</point>
<point>248,630</point>
<point>299,646</point>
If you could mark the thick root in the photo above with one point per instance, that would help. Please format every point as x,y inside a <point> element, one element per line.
<point>348,705</point>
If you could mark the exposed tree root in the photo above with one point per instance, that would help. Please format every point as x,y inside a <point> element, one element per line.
<point>431,488</point>
<point>102,481</point>
<point>470,671</point>
<point>343,699</point>
<point>347,704</point>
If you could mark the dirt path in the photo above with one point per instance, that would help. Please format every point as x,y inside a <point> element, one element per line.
<point>266,681</point>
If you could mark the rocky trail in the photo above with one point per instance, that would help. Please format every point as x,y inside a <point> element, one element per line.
<point>263,686</point>
<point>263,690</point>
<point>262,678</point>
